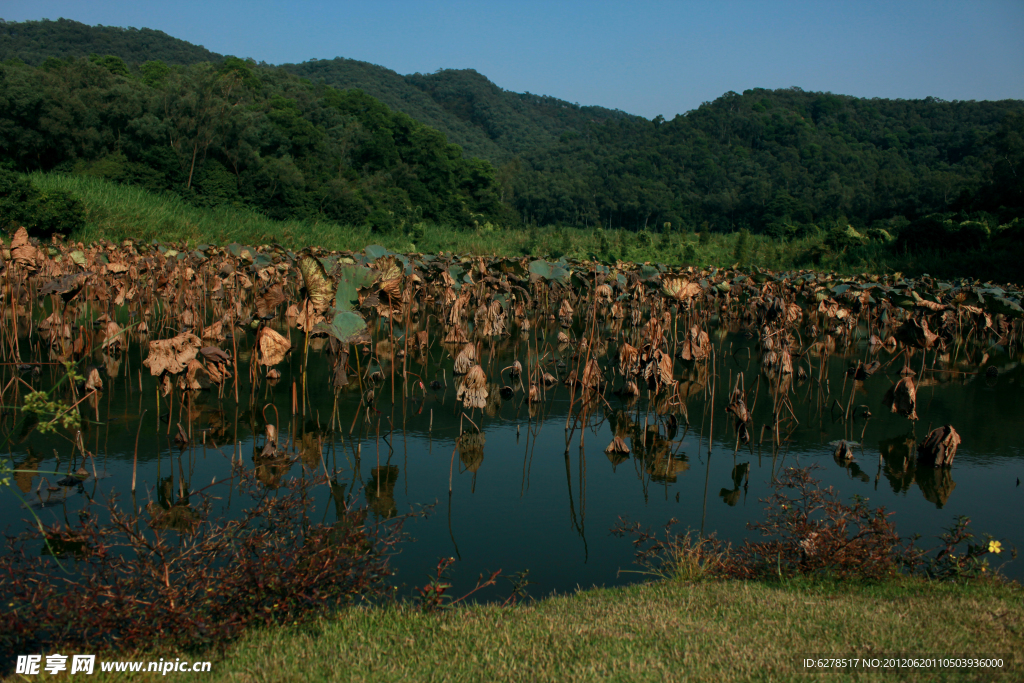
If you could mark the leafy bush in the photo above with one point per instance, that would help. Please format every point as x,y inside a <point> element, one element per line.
<point>41,213</point>
<point>188,581</point>
<point>843,238</point>
<point>941,233</point>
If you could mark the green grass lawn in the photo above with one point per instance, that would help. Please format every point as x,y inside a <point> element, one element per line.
<point>664,631</point>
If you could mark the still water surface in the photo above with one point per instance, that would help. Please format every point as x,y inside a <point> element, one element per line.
<point>521,499</point>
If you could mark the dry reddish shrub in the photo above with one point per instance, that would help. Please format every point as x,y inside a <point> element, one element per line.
<point>809,531</point>
<point>132,585</point>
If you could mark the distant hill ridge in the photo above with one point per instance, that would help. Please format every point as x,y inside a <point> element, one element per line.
<point>473,112</point>
<point>33,41</point>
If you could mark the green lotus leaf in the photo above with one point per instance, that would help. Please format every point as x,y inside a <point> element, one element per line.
<point>549,271</point>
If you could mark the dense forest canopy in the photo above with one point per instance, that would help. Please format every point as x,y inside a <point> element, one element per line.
<point>487,121</point>
<point>775,161</point>
<point>33,42</point>
<point>235,132</point>
<point>354,142</point>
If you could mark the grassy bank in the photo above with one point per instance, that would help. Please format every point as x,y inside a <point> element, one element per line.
<point>712,631</point>
<point>117,212</point>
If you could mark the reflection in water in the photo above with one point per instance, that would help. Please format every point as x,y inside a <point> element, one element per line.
<point>900,465</point>
<point>936,484</point>
<point>24,478</point>
<point>791,418</point>
<point>270,471</point>
<point>899,455</point>
<point>172,509</point>
<point>471,450</point>
<point>740,479</point>
<point>311,448</point>
<point>380,490</point>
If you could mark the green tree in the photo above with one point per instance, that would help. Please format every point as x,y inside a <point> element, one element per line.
<point>41,213</point>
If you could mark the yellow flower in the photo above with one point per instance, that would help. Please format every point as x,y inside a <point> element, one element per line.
<point>995,547</point>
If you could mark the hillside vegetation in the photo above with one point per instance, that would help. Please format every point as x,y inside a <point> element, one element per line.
<point>33,42</point>
<point>352,143</point>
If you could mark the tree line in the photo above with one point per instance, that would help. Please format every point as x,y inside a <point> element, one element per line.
<point>244,134</point>
<point>785,163</point>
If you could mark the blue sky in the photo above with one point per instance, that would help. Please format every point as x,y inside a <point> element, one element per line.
<point>646,58</point>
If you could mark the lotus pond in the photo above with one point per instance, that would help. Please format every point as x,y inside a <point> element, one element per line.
<point>530,404</point>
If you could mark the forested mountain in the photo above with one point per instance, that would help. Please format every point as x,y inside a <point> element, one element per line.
<point>239,133</point>
<point>485,120</point>
<point>33,41</point>
<point>355,142</point>
<point>395,91</point>
<point>779,161</point>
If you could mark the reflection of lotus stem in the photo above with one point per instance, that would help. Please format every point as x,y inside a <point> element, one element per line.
<point>451,467</point>
<point>359,372</point>
<point>305,359</point>
<point>234,358</point>
<point>460,422</point>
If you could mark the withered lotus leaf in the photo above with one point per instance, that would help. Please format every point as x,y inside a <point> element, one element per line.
<point>679,288</point>
<point>939,448</point>
<point>272,346</point>
<point>214,332</point>
<point>659,370</point>
<point>592,377</point>
<point>696,346</point>
<point>268,301</point>
<point>473,388</point>
<point>629,360</point>
<point>905,398</point>
<point>617,446</point>
<point>93,382</point>
<point>213,354</point>
<point>172,355</point>
<point>915,332</point>
<point>455,335</point>
<point>565,312</point>
<point>217,372</point>
<point>738,406</point>
<point>465,359</point>
<point>308,319</point>
<point>319,287</point>
<point>195,378</point>
<point>22,251</point>
<point>389,268</point>
<point>113,337</point>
